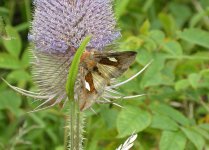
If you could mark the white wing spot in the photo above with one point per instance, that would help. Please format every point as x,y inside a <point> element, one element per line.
<point>112,59</point>
<point>87,86</point>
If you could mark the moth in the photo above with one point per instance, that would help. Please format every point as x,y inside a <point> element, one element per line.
<point>96,71</point>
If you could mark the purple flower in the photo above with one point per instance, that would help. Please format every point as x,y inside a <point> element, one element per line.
<point>60,24</point>
<point>58,28</point>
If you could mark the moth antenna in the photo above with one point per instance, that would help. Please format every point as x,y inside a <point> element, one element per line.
<point>131,78</point>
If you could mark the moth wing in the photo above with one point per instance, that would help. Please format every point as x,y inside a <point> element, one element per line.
<point>92,88</point>
<point>114,64</point>
<point>108,65</point>
<point>99,82</point>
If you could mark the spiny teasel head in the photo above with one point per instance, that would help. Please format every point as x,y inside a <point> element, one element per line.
<point>58,28</point>
<point>59,24</point>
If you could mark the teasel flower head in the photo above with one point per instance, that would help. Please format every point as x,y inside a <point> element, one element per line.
<point>57,30</point>
<point>60,24</point>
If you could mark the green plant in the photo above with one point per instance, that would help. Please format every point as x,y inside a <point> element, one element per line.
<point>175,109</point>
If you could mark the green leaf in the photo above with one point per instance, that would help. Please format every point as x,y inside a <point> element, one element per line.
<point>168,22</point>
<point>196,36</point>
<point>132,119</point>
<point>152,75</point>
<point>144,57</point>
<point>10,100</point>
<point>172,141</point>
<point>22,26</point>
<point>202,132</point>
<point>38,120</point>
<point>13,45</point>
<point>8,62</point>
<point>170,112</point>
<point>19,75</point>
<point>196,18</point>
<point>149,44</point>
<point>59,147</point>
<point>132,42</point>
<point>157,36</point>
<point>194,137</point>
<point>25,60</point>
<point>163,122</point>
<point>147,5</point>
<point>145,27</point>
<point>182,15</point>
<point>181,85</point>
<point>109,116</point>
<point>194,80</point>
<point>168,73</point>
<point>2,28</point>
<point>204,126</point>
<point>73,71</point>
<point>173,48</point>
<point>120,7</point>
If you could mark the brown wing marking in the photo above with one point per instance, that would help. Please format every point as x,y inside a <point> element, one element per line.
<point>112,65</point>
<point>107,61</point>
<point>89,80</point>
<point>89,94</point>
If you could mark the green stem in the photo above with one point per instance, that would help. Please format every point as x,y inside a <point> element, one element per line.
<point>72,125</point>
<point>78,122</point>
<point>75,128</point>
<point>66,136</point>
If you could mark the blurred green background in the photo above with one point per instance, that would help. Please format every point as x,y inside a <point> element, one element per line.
<point>174,115</point>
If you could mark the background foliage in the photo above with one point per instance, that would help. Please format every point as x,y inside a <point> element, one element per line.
<point>174,115</point>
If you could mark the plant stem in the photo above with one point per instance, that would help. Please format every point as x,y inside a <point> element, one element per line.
<point>75,127</point>
<point>72,125</point>
<point>74,130</point>
<point>79,134</point>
